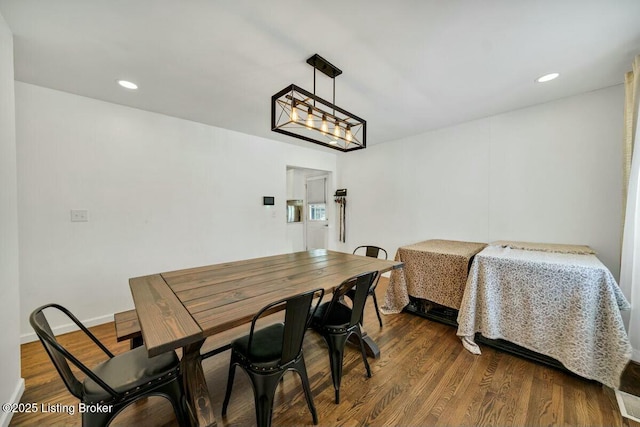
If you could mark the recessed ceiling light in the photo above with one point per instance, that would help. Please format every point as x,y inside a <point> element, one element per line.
<point>127,84</point>
<point>547,77</point>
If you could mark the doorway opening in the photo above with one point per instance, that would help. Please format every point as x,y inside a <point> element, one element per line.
<point>317,219</point>
<point>308,208</point>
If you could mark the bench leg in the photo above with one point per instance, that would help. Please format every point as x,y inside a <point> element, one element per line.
<point>135,342</point>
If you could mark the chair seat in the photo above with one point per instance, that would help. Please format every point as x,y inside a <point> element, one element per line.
<point>336,322</point>
<point>339,317</point>
<point>266,346</point>
<point>267,353</point>
<point>129,370</point>
<point>128,377</point>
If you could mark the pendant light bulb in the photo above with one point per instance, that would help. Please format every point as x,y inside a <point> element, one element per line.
<point>336,131</point>
<point>348,135</point>
<point>309,118</point>
<point>294,112</point>
<point>324,128</point>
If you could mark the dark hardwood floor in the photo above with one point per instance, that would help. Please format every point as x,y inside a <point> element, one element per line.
<point>424,377</point>
<point>630,382</point>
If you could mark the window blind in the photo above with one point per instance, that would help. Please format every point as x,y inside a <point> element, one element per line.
<point>316,190</point>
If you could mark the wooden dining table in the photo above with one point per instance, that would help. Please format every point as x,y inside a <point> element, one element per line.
<point>180,309</point>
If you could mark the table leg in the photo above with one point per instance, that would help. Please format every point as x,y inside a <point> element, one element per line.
<point>198,399</point>
<point>370,346</point>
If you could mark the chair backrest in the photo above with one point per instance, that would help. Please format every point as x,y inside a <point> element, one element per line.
<point>361,283</point>
<point>61,356</point>
<point>297,318</point>
<point>372,251</point>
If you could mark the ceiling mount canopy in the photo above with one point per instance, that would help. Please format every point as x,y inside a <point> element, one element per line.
<point>301,114</point>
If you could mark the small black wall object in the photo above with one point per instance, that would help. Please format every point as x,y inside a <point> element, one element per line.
<point>341,200</point>
<point>268,200</point>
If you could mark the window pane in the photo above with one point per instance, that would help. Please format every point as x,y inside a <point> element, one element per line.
<point>318,212</point>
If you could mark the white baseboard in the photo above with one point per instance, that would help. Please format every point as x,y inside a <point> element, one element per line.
<point>69,327</point>
<point>5,417</point>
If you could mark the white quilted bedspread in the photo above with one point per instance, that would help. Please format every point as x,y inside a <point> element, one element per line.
<point>566,306</point>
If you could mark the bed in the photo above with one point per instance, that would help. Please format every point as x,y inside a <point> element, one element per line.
<point>556,300</point>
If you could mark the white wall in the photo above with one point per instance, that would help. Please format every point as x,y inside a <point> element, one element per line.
<point>548,173</point>
<point>433,185</point>
<point>162,194</point>
<point>165,193</point>
<point>12,385</point>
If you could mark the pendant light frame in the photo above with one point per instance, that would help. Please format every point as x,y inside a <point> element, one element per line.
<point>294,98</point>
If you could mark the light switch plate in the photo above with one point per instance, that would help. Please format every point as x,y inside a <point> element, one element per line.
<point>79,215</point>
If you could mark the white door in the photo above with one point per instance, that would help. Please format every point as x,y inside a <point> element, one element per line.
<point>316,213</point>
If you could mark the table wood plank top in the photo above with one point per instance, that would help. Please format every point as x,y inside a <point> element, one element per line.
<point>164,322</point>
<point>203,301</point>
<point>181,308</point>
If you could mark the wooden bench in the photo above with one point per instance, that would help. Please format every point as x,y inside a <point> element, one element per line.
<point>128,328</point>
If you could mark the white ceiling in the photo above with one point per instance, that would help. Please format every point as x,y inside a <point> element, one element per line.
<point>409,66</point>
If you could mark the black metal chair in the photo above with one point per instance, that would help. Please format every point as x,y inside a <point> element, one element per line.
<point>117,382</point>
<point>373,252</point>
<point>266,354</point>
<point>336,322</point>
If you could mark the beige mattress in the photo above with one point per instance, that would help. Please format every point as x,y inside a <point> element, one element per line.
<point>563,305</point>
<point>435,270</point>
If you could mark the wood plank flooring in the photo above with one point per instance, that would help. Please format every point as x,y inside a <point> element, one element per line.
<point>424,377</point>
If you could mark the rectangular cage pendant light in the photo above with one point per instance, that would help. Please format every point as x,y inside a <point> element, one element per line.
<point>304,115</point>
